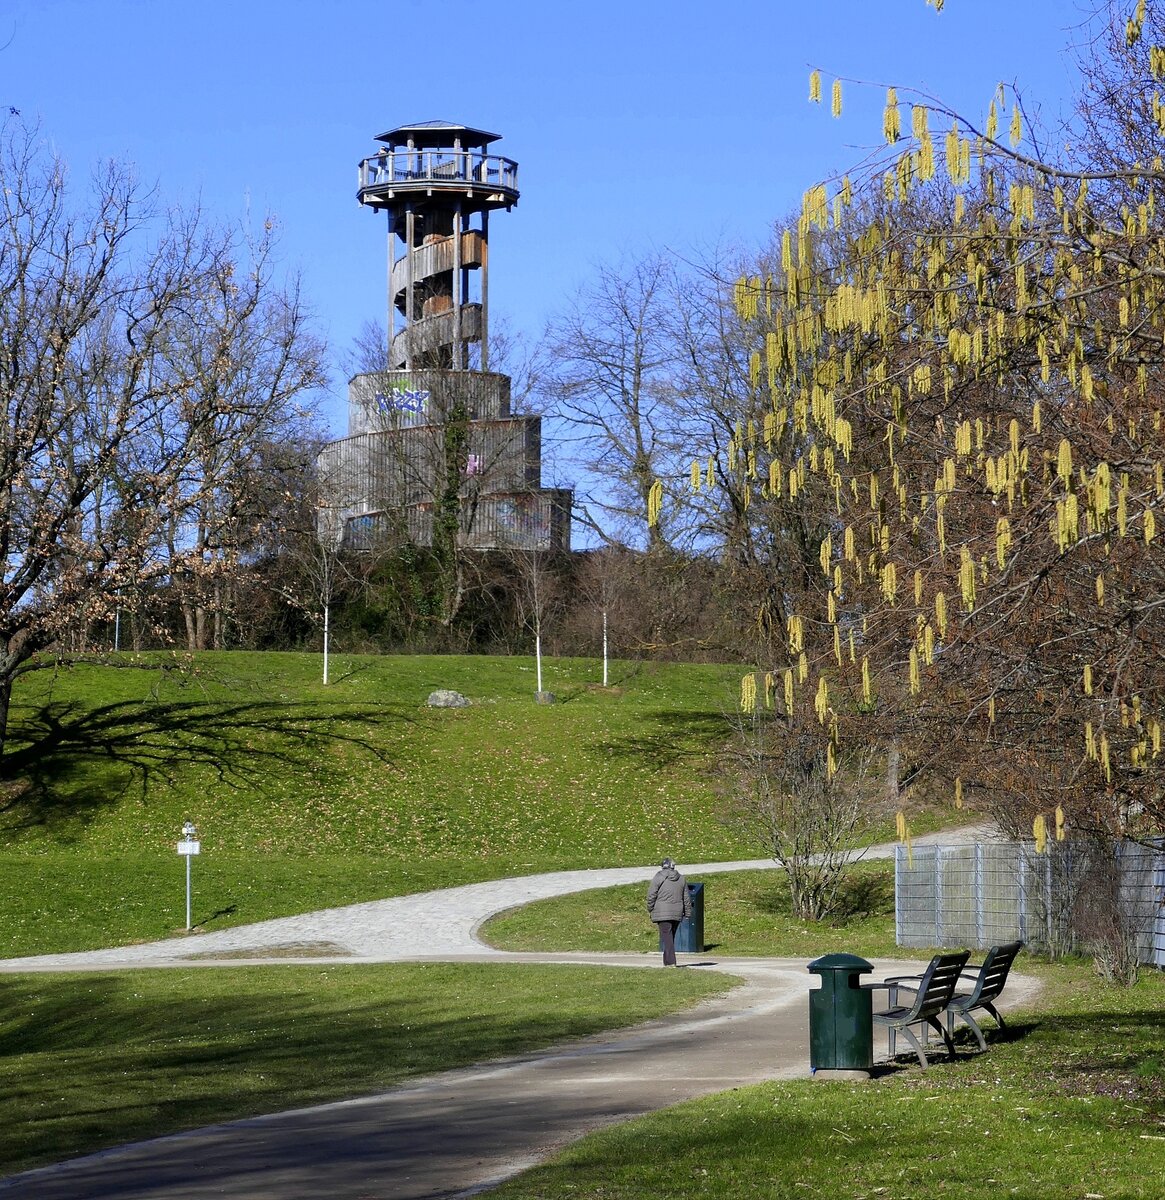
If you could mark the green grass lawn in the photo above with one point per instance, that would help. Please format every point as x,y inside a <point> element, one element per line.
<point>90,1061</point>
<point>745,913</point>
<point>308,797</point>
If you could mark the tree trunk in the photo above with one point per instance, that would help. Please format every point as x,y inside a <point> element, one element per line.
<point>5,703</point>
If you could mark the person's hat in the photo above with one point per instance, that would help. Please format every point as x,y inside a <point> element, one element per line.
<point>667,862</point>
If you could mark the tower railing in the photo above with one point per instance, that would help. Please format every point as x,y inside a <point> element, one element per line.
<point>393,168</point>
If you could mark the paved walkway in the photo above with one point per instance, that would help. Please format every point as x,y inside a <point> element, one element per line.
<point>458,1132</point>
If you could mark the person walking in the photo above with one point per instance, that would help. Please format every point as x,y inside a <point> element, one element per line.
<point>668,903</point>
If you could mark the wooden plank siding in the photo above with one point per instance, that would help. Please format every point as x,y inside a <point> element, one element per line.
<point>392,469</point>
<point>520,521</point>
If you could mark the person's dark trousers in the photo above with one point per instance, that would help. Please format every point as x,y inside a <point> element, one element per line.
<point>667,941</point>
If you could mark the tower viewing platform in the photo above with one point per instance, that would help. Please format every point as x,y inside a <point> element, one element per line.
<point>434,158</point>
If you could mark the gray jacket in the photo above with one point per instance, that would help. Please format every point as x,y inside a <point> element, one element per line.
<point>667,896</point>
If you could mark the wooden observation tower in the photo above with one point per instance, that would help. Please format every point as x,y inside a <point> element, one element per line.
<point>438,183</point>
<point>432,432</point>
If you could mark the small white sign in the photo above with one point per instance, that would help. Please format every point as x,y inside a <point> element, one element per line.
<point>189,847</point>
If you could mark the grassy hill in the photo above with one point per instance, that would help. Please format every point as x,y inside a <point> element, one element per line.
<point>306,796</point>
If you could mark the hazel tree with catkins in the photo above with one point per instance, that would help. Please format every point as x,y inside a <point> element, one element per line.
<point>958,373</point>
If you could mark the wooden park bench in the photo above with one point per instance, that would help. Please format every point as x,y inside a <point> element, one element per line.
<point>986,982</point>
<point>932,992</point>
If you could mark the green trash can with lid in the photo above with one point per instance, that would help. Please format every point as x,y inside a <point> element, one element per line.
<point>690,934</point>
<point>841,1021</point>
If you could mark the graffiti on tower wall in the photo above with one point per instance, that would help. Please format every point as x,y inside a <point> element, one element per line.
<point>398,399</point>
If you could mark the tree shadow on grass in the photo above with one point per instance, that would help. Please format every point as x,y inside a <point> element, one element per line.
<point>118,1058</point>
<point>73,759</point>
<point>666,738</point>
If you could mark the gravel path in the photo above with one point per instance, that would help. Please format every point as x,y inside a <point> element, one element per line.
<point>427,925</point>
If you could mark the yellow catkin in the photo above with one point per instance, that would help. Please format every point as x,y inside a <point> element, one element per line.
<point>748,694</point>
<point>788,682</point>
<point>967,578</point>
<point>815,87</point>
<point>821,700</point>
<point>1064,461</point>
<point>1088,679</point>
<point>654,503</point>
<point>892,118</point>
<point>1040,833</point>
<point>1002,541</point>
<point>795,631</point>
<point>958,791</point>
<point>836,106</point>
<point>903,830</point>
<point>1061,824</point>
<point>890,582</point>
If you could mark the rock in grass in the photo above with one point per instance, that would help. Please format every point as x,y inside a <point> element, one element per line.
<point>444,698</point>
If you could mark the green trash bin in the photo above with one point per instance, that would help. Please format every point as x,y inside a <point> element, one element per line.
<point>690,935</point>
<point>841,1022</point>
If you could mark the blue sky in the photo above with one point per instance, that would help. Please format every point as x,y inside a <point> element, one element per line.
<point>637,124</point>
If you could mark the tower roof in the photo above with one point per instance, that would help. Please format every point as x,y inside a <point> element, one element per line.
<point>427,135</point>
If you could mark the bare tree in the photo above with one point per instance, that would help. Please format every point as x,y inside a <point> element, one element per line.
<point>807,815</point>
<point>311,541</point>
<point>608,366</point>
<point>537,597</point>
<point>248,354</point>
<point>114,447</point>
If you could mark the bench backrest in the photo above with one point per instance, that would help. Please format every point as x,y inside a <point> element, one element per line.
<point>994,971</point>
<point>937,985</point>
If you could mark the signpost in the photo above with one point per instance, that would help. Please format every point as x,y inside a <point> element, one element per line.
<point>188,847</point>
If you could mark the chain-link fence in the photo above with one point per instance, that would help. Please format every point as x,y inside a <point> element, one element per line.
<point>1073,896</point>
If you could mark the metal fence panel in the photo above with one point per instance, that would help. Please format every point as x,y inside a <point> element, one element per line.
<point>979,896</point>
